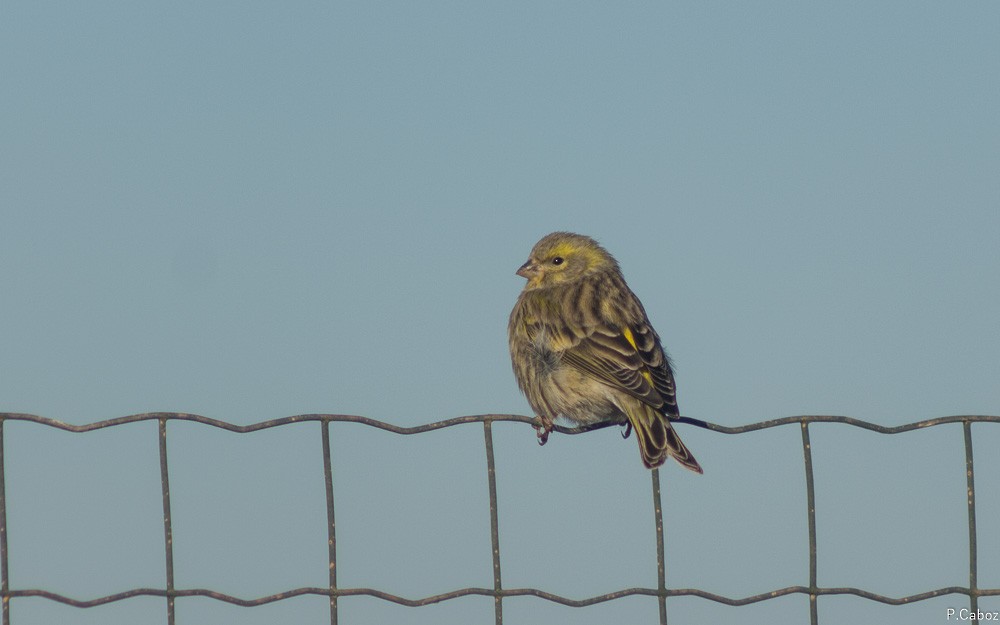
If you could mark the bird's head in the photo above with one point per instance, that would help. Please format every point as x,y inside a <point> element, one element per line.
<point>563,257</point>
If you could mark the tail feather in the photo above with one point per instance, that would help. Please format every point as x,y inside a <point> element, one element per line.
<point>657,438</point>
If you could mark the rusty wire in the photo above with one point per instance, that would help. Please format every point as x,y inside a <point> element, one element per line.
<point>498,592</point>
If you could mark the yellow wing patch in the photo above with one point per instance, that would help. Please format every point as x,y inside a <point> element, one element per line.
<point>630,338</point>
<point>627,333</point>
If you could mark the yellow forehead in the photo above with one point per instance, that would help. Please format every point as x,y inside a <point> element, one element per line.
<point>563,249</point>
<point>569,248</point>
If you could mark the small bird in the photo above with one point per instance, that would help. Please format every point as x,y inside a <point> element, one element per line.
<point>582,348</point>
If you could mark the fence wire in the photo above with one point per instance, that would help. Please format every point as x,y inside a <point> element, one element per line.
<point>498,592</point>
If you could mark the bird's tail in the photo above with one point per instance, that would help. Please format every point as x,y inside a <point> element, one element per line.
<point>657,438</point>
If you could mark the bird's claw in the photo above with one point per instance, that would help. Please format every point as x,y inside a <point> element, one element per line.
<point>628,430</point>
<point>543,427</point>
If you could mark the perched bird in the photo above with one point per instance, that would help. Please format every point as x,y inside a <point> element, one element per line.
<point>582,348</point>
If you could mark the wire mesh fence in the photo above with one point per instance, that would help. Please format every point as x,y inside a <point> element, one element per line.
<point>498,592</point>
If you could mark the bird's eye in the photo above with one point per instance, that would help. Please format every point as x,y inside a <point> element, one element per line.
<point>558,260</point>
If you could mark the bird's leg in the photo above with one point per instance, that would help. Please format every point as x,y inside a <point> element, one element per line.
<point>543,425</point>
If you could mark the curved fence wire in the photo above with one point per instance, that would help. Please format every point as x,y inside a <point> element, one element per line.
<point>498,592</point>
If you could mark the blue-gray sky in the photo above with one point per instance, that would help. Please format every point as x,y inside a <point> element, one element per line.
<point>252,210</point>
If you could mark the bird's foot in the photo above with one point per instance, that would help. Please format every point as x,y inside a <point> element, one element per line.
<point>543,426</point>
<point>628,430</point>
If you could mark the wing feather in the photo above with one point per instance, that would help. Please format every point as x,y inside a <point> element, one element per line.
<point>629,359</point>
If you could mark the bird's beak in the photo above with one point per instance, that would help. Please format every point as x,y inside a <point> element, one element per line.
<point>528,270</point>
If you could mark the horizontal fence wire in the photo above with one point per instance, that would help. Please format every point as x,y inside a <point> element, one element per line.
<point>498,592</point>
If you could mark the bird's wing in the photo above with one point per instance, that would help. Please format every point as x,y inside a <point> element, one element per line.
<point>629,359</point>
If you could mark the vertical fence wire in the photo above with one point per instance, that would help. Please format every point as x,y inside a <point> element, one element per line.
<point>168,532</point>
<point>4,581</point>
<point>970,477</point>
<point>491,476</point>
<point>661,562</point>
<point>811,512</point>
<point>331,520</point>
